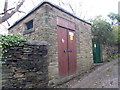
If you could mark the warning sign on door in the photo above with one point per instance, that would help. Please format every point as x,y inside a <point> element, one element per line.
<point>71,35</point>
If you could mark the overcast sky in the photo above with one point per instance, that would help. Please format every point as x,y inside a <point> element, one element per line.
<point>85,9</point>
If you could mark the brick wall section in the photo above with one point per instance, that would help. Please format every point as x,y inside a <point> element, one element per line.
<point>26,66</point>
<point>45,29</point>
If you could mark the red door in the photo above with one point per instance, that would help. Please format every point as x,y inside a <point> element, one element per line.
<point>66,51</point>
<point>72,53</point>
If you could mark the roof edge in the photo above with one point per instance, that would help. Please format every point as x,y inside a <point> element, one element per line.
<point>47,2</point>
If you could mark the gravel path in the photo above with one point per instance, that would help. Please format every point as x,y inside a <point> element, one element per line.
<point>105,76</point>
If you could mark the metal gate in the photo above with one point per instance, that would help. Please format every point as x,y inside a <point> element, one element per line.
<point>96,53</point>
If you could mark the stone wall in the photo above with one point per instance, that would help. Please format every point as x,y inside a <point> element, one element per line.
<point>108,51</point>
<point>45,29</point>
<point>26,66</point>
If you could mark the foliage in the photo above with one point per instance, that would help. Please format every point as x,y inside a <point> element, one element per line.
<point>10,40</point>
<point>116,34</point>
<point>113,57</point>
<point>105,32</point>
<point>92,20</point>
<point>115,18</point>
<point>101,30</point>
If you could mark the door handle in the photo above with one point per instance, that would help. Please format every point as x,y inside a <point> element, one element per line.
<point>67,50</point>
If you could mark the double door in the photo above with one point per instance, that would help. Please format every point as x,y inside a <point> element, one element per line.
<point>66,51</point>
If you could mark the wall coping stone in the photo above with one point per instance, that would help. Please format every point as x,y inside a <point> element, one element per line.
<point>37,43</point>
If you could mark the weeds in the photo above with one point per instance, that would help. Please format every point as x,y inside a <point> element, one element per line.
<point>109,70</point>
<point>113,57</point>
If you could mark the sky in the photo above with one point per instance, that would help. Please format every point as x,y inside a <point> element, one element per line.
<point>85,9</point>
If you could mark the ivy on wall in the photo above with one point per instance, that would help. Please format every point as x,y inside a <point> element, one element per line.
<point>10,40</point>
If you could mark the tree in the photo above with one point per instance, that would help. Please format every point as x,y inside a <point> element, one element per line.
<point>115,18</point>
<point>101,30</point>
<point>8,13</point>
<point>116,34</point>
<point>76,10</point>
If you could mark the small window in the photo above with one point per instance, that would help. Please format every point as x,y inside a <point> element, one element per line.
<point>29,25</point>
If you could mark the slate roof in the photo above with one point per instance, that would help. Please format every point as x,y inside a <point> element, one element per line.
<point>53,5</point>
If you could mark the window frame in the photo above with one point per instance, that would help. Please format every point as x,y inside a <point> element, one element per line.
<point>29,25</point>
<point>28,30</point>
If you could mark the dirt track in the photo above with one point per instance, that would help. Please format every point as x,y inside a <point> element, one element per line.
<point>104,76</point>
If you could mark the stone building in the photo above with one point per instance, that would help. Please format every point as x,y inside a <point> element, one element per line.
<point>69,39</point>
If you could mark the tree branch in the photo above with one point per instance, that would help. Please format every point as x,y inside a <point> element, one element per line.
<point>8,23</point>
<point>7,10</point>
<point>72,9</point>
<point>8,15</point>
<point>5,6</point>
<point>21,12</point>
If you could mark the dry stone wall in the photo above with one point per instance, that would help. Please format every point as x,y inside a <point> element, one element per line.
<point>26,66</point>
<point>109,51</point>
